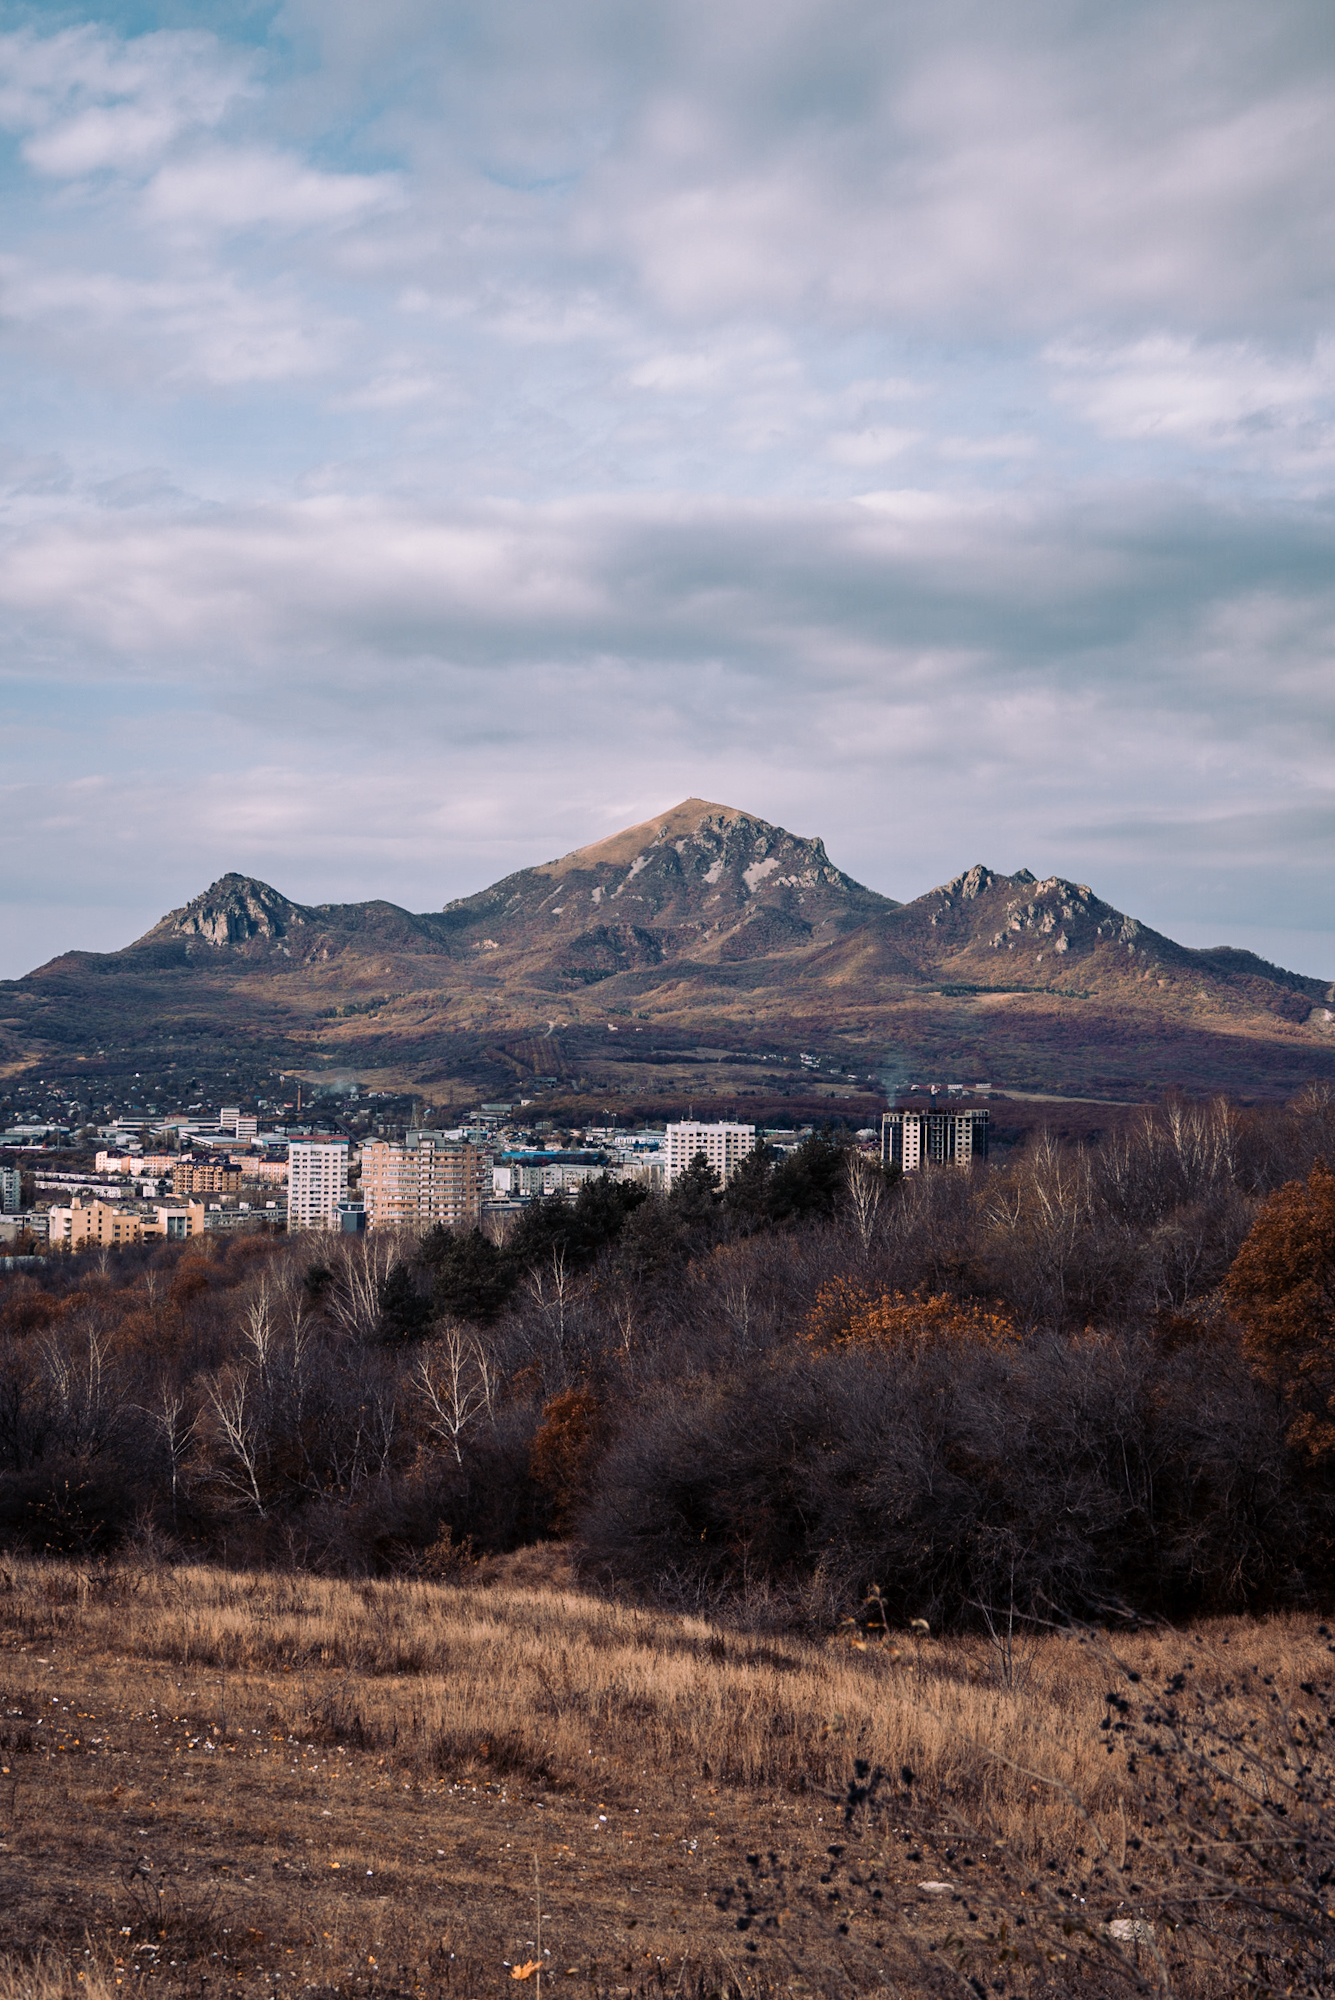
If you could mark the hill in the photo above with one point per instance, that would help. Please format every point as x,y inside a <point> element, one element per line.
<point>704,951</point>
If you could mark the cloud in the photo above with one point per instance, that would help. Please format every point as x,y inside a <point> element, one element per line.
<point>1044,630</point>
<point>870,447</point>
<point>231,188</point>
<point>148,486</point>
<point>204,326</point>
<point>1212,395</point>
<point>1003,168</point>
<point>912,423</point>
<point>89,102</point>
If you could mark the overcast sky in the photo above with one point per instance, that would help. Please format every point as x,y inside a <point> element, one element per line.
<point>437,433</point>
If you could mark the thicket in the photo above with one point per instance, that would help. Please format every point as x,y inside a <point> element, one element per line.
<point>1098,1376</point>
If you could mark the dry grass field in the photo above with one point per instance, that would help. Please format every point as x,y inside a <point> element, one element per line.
<point>221,1782</point>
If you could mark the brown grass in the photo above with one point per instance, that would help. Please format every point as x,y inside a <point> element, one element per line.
<point>349,1785</point>
<point>45,1978</point>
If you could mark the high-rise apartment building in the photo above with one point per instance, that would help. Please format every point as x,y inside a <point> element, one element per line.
<point>426,1180</point>
<point>11,1190</point>
<point>317,1181</point>
<point>722,1145</point>
<point>948,1138</point>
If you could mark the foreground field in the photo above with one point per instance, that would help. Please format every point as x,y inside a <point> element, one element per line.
<point>225,1781</point>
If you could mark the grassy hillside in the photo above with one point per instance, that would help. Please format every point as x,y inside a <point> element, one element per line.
<point>217,1781</point>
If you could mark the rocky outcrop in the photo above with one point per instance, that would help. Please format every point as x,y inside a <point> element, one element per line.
<point>233,910</point>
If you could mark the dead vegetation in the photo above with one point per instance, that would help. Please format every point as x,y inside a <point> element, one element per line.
<point>261,1780</point>
<point>1034,1386</point>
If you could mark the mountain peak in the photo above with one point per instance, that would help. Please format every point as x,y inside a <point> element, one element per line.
<point>702,879</point>
<point>233,910</point>
<point>679,822</point>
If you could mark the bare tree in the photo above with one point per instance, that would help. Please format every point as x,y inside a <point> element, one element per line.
<point>455,1381</point>
<point>358,1433</point>
<point>353,1300</point>
<point>177,1430</point>
<point>622,1309</point>
<point>259,1326</point>
<point>866,1186</point>
<point>88,1404</point>
<point>234,1401</point>
<point>555,1292</point>
<point>1055,1245</point>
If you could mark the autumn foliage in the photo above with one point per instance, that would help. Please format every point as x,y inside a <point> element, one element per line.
<point>1282,1288</point>
<point>562,1455</point>
<point>1080,1376</point>
<point>847,1314</point>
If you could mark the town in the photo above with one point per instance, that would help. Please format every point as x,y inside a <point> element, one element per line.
<point>377,1163</point>
<point>188,1174</point>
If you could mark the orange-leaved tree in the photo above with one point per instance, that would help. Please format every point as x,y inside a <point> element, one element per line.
<point>846,1314</point>
<point>1282,1288</point>
<point>564,1451</point>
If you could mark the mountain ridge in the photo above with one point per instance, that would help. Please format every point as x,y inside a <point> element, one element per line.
<point>701,923</point>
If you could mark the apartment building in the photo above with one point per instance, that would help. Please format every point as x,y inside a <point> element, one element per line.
<point>205,1177</point>
<point>723,1145</point>
<point>111,1225</point>
<point>426,1180</point>
<point>135,1165</point>
<point>317,1181</point>
<point>11,1190</point>
<point>911,1139</point>
<point>27,1222</point>
<point>534,1177</point>
<point>83,1224</point>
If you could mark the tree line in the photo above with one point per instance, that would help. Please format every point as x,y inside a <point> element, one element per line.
<point>1099,1375</point>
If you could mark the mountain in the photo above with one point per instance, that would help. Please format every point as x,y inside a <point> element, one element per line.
<point>703,882</point>
<point>256,923</point>
<point>703,951</point>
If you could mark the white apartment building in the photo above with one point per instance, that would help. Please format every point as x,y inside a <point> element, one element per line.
<point>11,1190</point>
<point>317,1181</point>
<point>722,1145</point>
<point>532,1178</point>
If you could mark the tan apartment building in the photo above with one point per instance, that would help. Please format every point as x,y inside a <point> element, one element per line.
<point>913,1139</point>
<point>426,1180</point>
<point>191,1176</point>
<point>135,1165</point>
<point>111,1224</point>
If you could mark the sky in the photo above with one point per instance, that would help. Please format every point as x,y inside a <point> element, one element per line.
<point>436,434</point>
